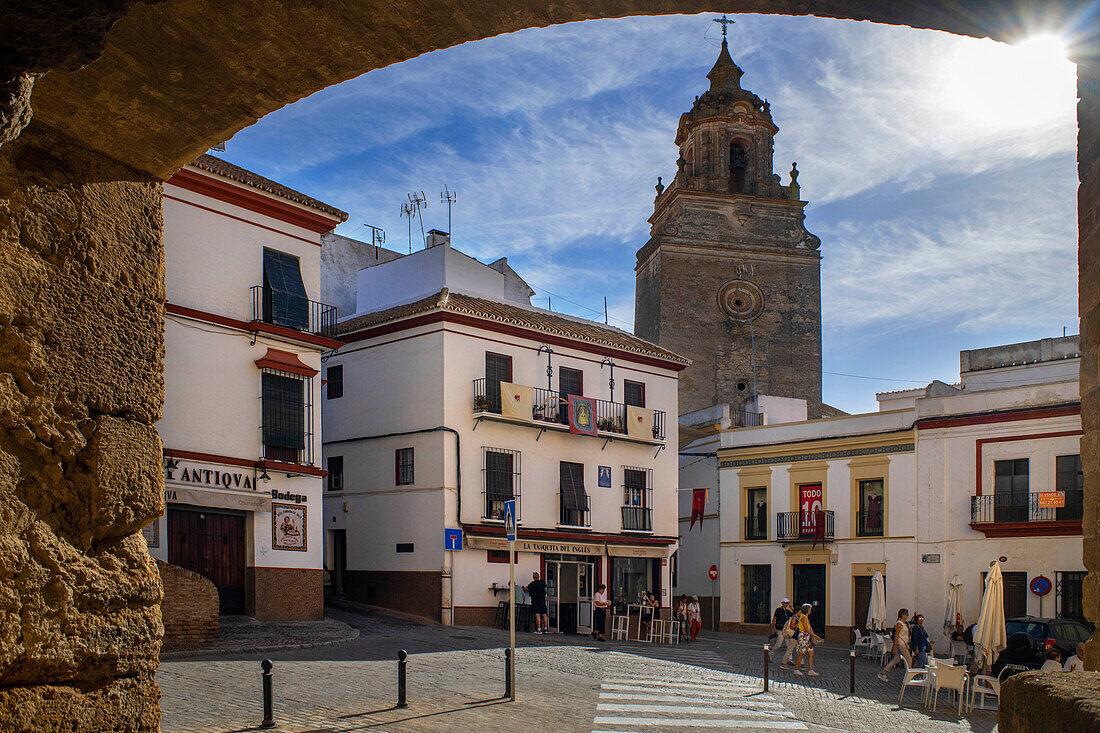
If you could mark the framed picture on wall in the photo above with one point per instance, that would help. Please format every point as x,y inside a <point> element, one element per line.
<point>151,533</point>
<point>604,477</point>
<point>288,527</point>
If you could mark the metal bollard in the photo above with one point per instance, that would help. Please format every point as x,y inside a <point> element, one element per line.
<point>402,656</point>
<point>767,656</point>
<point>269,707</point>
<point>508,662</point>
<point>852,672</point>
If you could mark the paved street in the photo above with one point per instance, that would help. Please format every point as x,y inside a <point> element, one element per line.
<point>456,679</point>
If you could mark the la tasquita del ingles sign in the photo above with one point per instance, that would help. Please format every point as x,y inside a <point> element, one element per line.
<point>565,548</point>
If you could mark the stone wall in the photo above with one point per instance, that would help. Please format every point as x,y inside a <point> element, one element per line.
<point>189,610</point>
<point>81,315</point>
<point>1037,702</point>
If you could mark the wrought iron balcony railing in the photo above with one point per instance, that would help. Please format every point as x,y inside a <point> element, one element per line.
<point>804,526</point>
<point>290,311</point>
<point>553,407</point>
<point>1020,506</point>
<point>638,518</point>
<point>869,523</point>
<point>756,528</point>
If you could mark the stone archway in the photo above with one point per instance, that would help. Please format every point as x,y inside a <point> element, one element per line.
<point>123,93</point>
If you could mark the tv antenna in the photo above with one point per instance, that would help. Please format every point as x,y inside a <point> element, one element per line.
<point>418,202</point>
<point>377,237</point>
<point>407,211</point>
<point>449,197</point>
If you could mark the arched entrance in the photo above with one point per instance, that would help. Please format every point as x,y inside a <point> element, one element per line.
<point>123,94</point>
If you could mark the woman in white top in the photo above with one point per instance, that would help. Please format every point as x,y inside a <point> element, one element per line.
<point>901,644</point>
<point>1054,661</point>
<point>695,617</point>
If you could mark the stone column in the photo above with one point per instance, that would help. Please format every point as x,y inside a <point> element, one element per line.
<point>81,384</point>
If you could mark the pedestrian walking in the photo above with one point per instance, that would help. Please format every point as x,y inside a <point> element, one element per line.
<point>696,615</point>
<point>919,642</point>
<point>901,644</point>
<point>599,621</point>
<point>779,619</point>
<point>789,636</point>
<point>806,641</point>
<point>537,590</point>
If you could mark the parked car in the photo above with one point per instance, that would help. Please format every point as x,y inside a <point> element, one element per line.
<point>1029,638</point>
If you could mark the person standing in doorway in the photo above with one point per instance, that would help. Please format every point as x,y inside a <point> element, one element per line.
<point>807,639</point>
<point>601,603</point>
<point>779,619</point>
<point>696,615</point>
<point>537,590</point>
<point>900,649</point>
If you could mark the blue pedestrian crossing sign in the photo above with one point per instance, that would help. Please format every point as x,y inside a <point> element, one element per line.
<point>510,520</point>
<point>452,539</point>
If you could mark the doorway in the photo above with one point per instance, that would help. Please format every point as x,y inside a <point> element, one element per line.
<point>212,544</point>
<point>569,596</point>
<point>809,587</point>
<point>861,600</point>
<point>339,562</point>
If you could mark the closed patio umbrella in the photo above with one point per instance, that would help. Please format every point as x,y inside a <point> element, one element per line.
<point>876,609</point>
<point>954,596</point>
<point>989,634</point>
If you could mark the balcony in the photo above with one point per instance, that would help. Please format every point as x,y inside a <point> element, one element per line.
<point>1027,514</point>
<point>299,314</point>
<point>574,517</point>
<point>804,526</point>
<point>869,523</point>
<point>756,528</point>
<point>637,519</point>
<point>550,407</point>
<point>747,418</point>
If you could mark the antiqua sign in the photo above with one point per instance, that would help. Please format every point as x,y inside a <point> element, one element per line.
<point>174,471</point>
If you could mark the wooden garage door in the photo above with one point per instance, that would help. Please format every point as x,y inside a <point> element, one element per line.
<point>211,544</point>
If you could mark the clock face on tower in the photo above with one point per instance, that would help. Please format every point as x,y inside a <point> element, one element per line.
<point>741,300</point>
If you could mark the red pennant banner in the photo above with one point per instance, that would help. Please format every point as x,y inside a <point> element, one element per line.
<point>698,506</point>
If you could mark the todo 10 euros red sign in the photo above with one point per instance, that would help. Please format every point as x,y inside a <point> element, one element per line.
<point>809,501</point>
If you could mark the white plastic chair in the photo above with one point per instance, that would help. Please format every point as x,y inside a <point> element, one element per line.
<point>656,630</point>
<point>671,633</point>
<point>620,627</point>
<point>983,685</point>
<point>861,641</point>
<point>915,677</point>
<point>881,648</point>
<point>950,677</point>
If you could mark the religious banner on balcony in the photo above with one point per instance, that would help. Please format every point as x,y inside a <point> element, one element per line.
<point>639,422</point>
<point>515,400</point>
<point>582,415</point>
<point>698,507</point>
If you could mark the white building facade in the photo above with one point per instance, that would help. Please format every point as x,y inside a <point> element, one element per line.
<point>241,424</point>
<point>937,484</point>
<point>456,401</point>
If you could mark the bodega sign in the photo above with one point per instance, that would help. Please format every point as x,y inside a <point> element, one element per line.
<point>178,472</point>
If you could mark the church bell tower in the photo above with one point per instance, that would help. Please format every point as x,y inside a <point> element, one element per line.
<point>730,277</point>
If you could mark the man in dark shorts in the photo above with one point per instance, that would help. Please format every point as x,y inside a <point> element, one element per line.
<point>537,590</point>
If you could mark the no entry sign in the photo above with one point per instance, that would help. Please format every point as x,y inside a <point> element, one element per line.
<point>713,572</point>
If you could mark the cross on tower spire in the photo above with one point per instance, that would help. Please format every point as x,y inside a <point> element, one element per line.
<point>724,21</point>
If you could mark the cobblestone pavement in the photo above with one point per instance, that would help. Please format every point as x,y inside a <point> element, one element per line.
<point>243,634</point>
<point>456,679</point>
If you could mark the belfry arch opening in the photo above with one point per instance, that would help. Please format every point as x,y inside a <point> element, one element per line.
<point>738,163</point>
<point>121,99</point>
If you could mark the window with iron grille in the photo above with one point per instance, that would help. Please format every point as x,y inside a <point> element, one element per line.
<point>756,593</point>
<point>1068,599</point>
<point>335,473</point>
<point>1070,479</point>
<point>637,489</point>
<point>403,466</point>
<point>502,478</point>
<point>287,416</point>
<point>574,499</point>
<point>1010,490</point>
<point>498,368</point>
<point>633,393</point>
<point>334,378</point>
<point>871,508</point>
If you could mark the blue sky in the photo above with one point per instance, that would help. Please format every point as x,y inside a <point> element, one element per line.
<point>940,171</point>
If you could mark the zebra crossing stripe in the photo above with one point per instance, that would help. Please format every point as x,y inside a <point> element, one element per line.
<point>655,685</point>
<point>693,709</point>
<point>718,699</point>
<point>702,723</point>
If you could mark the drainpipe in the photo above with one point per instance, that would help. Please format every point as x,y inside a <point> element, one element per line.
<point>458,483</point>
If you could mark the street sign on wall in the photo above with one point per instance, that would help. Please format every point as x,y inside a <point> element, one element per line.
<point>1040,585</point>
<point>510,520</point>
<point>452,539</point>
<point>713,572</point>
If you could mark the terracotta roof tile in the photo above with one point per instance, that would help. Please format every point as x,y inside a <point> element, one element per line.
<point>517,315</point>
<point>226,169</point>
